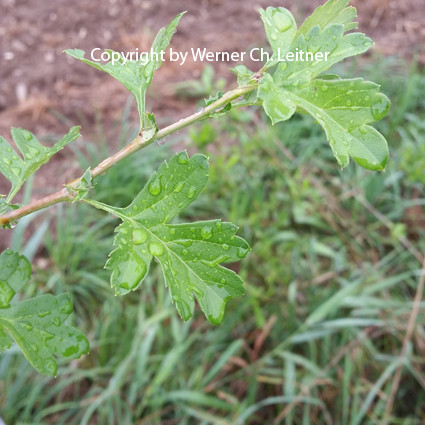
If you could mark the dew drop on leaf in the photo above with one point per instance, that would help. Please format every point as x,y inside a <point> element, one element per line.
<point>282,21</point>
<point>139,236</point>
<point>124,285</point>
<point>155,187</point>
<point>28,136</point>
<point>70,351</point>
<point>182,158</point>
<point>27,326</point>
<point>156,249</point>
<point>380,108</point>
<point>50,366</point>
<point>179,186</point>
<point>206,232</point>
<point>242,252</point>
<point>7,161</point>
<point>191,192</point>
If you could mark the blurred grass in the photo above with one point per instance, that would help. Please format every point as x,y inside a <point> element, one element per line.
<point>330,286</point>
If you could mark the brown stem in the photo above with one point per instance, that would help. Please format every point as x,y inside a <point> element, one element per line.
<point>66,195</point>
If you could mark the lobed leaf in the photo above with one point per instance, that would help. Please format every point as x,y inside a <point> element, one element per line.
<point>16,169</point>
<point>344,108</point>
<point>36,325</point>
<point>133,74</point>
<point>189,254</point>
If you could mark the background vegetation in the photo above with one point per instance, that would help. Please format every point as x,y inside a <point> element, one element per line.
<point>334,268</point>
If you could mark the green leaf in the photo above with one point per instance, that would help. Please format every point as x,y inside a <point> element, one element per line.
<point>189,254</point>
<point>330,45</point>
<point>36,325</point>
<point>344,108</point>
<point>135,75</point>
<point>17,169</point>
<point>15,271</point>
<point>333,11</point>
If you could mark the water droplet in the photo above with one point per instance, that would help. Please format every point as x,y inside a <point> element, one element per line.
<point>178,187</point>
<point>172,231</point>
<point>155,186</point>
<point>216,261</point>
<point>139,236</point>
<point>362,130</point>
<point>7,161</point>
<point>50,366</point>
<point>57,321</point>
<point>282,20</point>
<point>225,247</point>
<point>44,314</point>
<point>206,232</point>
<point>348,103</point>
<point>125,285</point>
<point>380,108</point>
<point>33,151</point>
<point>70,351</point>
<point>186,243</point>
<point>242,252</point>
<point>191,192</point>
<point>27,326</point>
<point>135,207</point>
<point>182,158</point>
<point>218,224</point>
<point>185,251</point>
<point>156,249</point>
<point>324,88</point>
<point>161,141</point>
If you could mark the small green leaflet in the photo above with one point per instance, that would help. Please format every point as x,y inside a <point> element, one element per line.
<point>344,108</point>
<point>17,169</point>
<point>85,184</point>
<point>136,76</point>
<point>36,325</point>
<point>5,207</point>
<point>189,254</point>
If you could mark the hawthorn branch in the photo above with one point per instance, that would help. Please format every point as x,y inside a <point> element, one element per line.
<point>66,194</point>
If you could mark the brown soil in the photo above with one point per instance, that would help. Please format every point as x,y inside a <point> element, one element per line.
<point>39,84</point>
